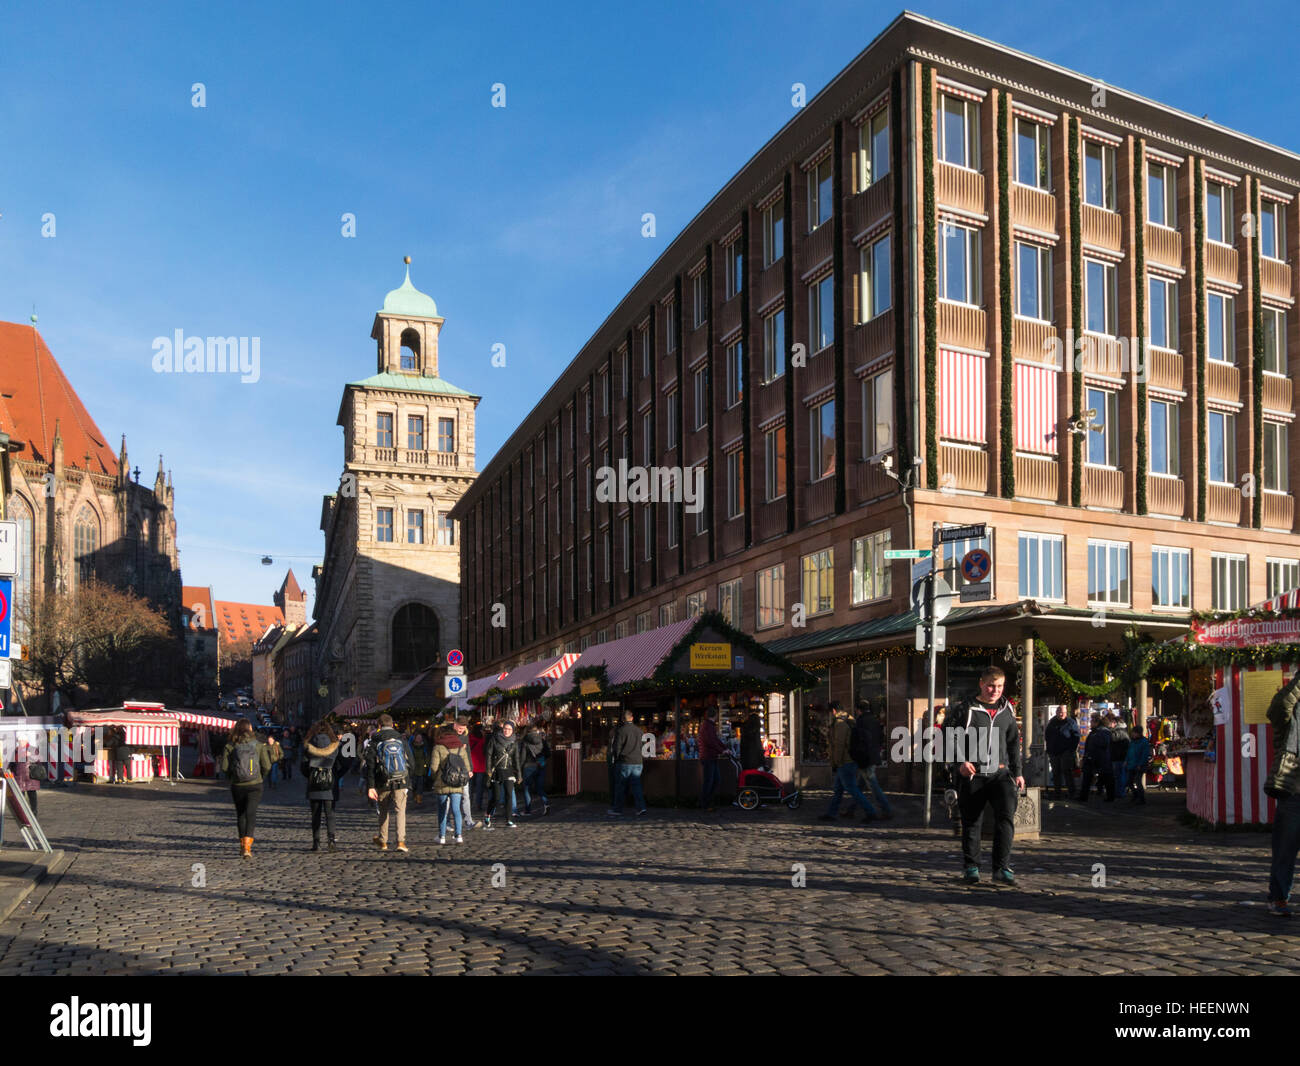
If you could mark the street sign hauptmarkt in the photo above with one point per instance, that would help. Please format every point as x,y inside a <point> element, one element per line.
<point>947,536</point>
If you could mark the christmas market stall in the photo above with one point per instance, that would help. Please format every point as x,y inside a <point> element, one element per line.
<point>147,735</point>
<point>196,728</point>
<point>668,677</point>
<point>516,695</point>
<point>39,742</point>
<point>1248,656</point>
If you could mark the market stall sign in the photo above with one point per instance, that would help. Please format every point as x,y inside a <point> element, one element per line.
<point>1247,632</point>
<point>590,687</point>
<point>710,656</point>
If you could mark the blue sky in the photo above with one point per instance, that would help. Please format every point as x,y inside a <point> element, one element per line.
<point>524,222</point>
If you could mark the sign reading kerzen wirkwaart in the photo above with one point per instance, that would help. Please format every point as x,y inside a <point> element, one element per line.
<point>710,656</point>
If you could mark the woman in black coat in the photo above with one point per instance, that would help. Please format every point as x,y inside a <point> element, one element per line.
<point>751,742</point>
<point>322,764</point>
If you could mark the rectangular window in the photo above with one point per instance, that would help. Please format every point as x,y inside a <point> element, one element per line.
<point>1042,566</point>
<point>1171,581</point>
<point>729,595</point>
<point>447,436</point>
<point>873,149</point>
<point>384,525</point>
<point>623,370</point>
<point>876,291</point>
<point>1101,297</point>
<point>383,430</point>
<point>822,439</point>
<point>819,582</point>
<point>1103,432</point>
<point>700,291</point>
<point>647,516</point>
<point>774,345</point>
<point>1162,200</point>
<point>819,194</point>
<point>702,397</point>
<point>667,614</point>
<point>447,532</point>
<point>604,394</point>
<point>702,515</point>
<point>1099,175</point>
<point>735,483</point>
<point>415,433</point>
<point>586,404</point>
<point>1108,572</point>
<point>647,438</point>
<point>695,604</point>
<point>588,499</point>
<point>735,358</point>
<point>643,622</point>
<point>626,525</point>
<point>1033,281</point>
<point>1274,337</point>
<point>609,558</point>
<point>1222,348</point>
<point>1275,452</point>
<point>674,430</point>
<point>1222,450</point>
<point>670,328</point>
<point>959,132</point>
<point>771,597</point>
<point>1272,224</point>
<point>643,339</point>
<point>870,580</point>
<point>674,518</point>
<point>1283,576</point>
<point>821,313</point>
<point>414,527</point>
<point>1162,313</point>
<point>773,233</point>
<point>959,263</point>
<point>620,629</point>
<point>1218,212</point>
<point>1227,582</point>
<point>774,462</point>
<point>878,414</point>
<point>1033,154</point>
<point>591,566</point>
<point>625,446</point>
<point>1164,437</point>
<point>735,268</point>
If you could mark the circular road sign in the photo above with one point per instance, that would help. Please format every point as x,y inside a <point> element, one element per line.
<point>455,684</point>
<point>455,658</point>
<point>942,599</point>
<point>4,606</point>
<point>975,565</point>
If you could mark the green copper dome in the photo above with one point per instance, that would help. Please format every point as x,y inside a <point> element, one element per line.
<point>408,301</point>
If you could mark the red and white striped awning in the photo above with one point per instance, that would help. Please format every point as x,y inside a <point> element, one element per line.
<point>195,720</point>
<point>561,667</point>
<point>961,395</point>
<point>142,730</point>
<point>353,706</point>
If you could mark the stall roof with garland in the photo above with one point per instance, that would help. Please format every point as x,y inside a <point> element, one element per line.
<point>660,658</point>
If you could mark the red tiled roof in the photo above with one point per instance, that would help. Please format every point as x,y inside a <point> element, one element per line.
<point>198,600</point>
<point>290,589</point>
<point>37,395</point>
<point>245,621</point>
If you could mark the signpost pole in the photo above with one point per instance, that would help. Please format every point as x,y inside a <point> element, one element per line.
<point>929,716</point>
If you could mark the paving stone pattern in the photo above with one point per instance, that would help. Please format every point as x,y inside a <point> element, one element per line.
<point>673,892</point>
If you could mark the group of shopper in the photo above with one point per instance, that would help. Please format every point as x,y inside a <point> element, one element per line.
<point>463,767</point>
<point>1115,756</point>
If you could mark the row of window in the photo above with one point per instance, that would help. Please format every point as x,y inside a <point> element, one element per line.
<point>444,527</point>
<point>414,432</point>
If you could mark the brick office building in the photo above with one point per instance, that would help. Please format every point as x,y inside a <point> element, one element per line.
<point>894,285</point>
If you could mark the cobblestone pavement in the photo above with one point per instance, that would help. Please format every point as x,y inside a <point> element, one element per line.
<point>673,892</point>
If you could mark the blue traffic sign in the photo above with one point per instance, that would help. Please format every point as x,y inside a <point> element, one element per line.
<point>6,614</point>
<point>975,565</point>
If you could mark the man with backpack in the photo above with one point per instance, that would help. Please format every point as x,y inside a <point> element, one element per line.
<point>865,743</point>
<point>844,767</point>
<point>388,775</point>
<point>450,767</point>
<point>505,770</point>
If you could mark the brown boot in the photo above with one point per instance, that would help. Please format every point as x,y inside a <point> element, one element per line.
<point>246,847</point>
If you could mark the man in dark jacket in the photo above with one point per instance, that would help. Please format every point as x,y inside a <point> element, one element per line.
<point>388,775</point>
<point>536,754</point>
<point>1283,785</point>
<point>984,740</point>
<point>710,752</point>
<point>844,767</point>
<point>627,766</point>
<point>505,769</point>
<point>1062,745</point>
<point>1096,760</point>
<point>1119,742</point>
<point>751,742</point>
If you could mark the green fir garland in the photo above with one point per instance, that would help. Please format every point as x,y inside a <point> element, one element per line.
<point>1257,362</point>
<point>1076,313</point>
<point>929,238</point>
<point>1141,370</point>
<point>1007,427</point>
<point>1202,414</point>
<point>1068,682</point>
